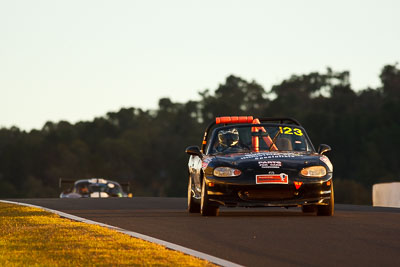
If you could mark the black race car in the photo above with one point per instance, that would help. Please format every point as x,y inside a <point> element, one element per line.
<point>93,188</point>
<point>264,162</point>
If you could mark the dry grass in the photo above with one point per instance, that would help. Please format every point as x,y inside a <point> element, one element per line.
<point>33,237</point>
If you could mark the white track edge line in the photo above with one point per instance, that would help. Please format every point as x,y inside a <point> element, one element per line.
<point>166,244</point>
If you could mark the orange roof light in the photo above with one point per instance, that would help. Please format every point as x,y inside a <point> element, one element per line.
<point>234,119</point>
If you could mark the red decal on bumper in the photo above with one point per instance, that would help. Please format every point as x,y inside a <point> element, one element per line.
<point>272,179</point>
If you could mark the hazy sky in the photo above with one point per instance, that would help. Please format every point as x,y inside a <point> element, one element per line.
<point>77,59</point>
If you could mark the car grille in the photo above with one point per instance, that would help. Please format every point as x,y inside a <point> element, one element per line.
<point>266,194</point>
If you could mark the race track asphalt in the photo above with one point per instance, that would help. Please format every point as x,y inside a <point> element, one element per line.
<point>355,236</point>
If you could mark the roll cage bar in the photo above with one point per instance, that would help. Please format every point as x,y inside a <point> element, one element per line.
<point>245,120</point>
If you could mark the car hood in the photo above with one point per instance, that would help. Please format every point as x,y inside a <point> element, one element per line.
<point>267,160</point>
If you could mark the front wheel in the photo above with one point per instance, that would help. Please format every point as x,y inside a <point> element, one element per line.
<point>327,210</point>
<point>193,207</point>
<point>206,207</point>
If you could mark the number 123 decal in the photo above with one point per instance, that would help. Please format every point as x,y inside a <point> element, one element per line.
<point>289,130</point>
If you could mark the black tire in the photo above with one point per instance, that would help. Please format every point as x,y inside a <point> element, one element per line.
<point>308,208</point>
<point>193,207</point>
<point>327,210</point>
<point>206,207</point>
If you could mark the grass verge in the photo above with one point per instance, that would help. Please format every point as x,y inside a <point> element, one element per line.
<point>34,237</point>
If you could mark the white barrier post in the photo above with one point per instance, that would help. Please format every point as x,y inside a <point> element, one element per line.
<point>386,195</point>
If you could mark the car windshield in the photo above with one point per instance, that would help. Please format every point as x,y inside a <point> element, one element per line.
<point>109,188</point>
<point>240,138</point>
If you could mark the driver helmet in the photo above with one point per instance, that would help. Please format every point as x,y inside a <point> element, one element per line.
<point>84,190</point>
<point>229,137</point>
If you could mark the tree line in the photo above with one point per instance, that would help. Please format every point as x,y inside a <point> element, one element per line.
<point>146,147</point>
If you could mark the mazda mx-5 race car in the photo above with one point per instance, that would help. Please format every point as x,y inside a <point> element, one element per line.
<point>266,162</point>
<point>93,188</point>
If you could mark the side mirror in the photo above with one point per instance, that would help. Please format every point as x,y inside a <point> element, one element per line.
<point>323,148</point>
<point>194,150</point>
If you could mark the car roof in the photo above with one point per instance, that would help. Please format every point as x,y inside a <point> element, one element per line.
<point>95,181</point>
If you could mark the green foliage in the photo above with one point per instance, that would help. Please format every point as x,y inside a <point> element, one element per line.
<point>147,147</point>
<point>351,192</point>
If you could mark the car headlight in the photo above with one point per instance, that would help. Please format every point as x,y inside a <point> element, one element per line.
<point>313,171</point>
<point>226,172</point>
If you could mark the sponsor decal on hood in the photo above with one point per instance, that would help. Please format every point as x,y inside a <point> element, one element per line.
<point>270,164</point>
<point>328,163</point>
<point>204,165</point>
<point>269,155</point>
<point>205,162</point>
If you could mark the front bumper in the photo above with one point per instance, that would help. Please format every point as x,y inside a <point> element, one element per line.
<point>311,192</point>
